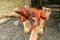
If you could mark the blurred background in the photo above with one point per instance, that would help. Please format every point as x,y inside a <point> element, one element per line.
<point>11,31</point>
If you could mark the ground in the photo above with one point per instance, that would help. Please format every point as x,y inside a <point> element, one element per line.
<point>11,31</point>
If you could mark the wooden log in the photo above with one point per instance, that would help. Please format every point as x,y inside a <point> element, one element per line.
<point>39,29</point>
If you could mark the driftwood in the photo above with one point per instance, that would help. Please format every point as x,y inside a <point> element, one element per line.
<point>39,30</point>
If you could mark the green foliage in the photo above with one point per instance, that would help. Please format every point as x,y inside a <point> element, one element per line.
<point>36,3</point>
<point>57,15</point>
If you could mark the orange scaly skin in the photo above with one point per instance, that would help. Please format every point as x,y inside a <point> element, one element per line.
<point>37,14</point>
